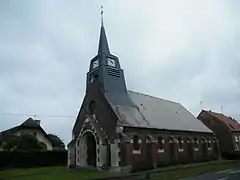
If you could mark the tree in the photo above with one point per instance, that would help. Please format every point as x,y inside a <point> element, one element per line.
<point>57,143</point>
<point>23,142</point>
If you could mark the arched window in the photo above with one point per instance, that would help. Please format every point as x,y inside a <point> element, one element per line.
<point>160,143</point>
<point>196,144</point>
<point>170,140</point>
<point>180,143</point>
<point>209,143</point>
<point>136,143</point>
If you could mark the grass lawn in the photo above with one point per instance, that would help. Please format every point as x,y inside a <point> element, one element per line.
<point>62,173</point>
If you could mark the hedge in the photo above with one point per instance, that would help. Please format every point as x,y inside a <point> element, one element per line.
<point>231,156</point>
<point>26,159</point>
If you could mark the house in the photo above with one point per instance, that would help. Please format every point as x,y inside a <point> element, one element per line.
<point>122,129</point>
<point>226,128</point>
<point>30,126</point>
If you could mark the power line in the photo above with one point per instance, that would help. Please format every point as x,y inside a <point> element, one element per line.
<point>37,115</point>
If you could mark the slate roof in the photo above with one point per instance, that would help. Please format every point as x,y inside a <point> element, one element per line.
<point>153,112</point>
<point>230,122</point>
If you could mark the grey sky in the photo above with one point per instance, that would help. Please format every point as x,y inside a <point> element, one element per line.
<point>185,51</point>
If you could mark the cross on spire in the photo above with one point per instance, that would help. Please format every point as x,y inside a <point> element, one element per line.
<point>102,15</point>
<point>103,44</point>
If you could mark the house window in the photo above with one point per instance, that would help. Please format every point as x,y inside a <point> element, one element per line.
<point>136,145</point>
<point>236,146</point>
<point>236,138</point>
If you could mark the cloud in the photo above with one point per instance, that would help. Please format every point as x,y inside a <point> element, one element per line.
<point>184,51</point>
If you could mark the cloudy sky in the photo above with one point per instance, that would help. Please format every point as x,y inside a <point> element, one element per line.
<point>185,51</point>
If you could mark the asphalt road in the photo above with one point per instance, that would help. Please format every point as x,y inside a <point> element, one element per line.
<point>230,174</point>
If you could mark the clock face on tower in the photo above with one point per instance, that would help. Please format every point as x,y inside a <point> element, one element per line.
<point>95,64</point>
<point>111,62</point>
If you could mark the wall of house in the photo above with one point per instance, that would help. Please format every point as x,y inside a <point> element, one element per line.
<point>222,131</point>
<point>39,135</point>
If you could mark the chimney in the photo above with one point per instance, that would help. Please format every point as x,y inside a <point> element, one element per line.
<point>37,122</point>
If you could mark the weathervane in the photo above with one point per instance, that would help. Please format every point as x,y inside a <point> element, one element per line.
<point>102,15</point>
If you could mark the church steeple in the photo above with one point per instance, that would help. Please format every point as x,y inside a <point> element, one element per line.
<point>103,44</point>
<point>106,74</point>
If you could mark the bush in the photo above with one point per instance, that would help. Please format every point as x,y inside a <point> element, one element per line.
<point>231,156</point>
<point>25,159</point>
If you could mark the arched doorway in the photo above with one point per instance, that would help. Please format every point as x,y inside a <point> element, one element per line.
<point>87,147</point>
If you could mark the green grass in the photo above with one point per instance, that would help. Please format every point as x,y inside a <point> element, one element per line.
<point>62,173</point>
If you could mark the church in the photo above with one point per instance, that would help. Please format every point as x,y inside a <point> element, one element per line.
<point>120,129</point>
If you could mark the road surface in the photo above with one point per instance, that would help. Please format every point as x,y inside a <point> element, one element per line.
<point>229,174</point>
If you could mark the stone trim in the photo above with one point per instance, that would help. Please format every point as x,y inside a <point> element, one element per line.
<point>98,140</point>
<point>160,150</point>
<point>180,149</point>
<point>98,163</point>
<point>137,151</point>
<point>117,141</point>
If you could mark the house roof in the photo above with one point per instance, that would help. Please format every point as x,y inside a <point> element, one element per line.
<point>153,112</point>
<point>29,123</point>
<point>230,122</point>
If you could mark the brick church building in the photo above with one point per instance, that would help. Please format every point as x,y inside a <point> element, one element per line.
<point>121,129</point>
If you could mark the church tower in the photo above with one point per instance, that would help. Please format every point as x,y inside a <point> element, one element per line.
<point>105,73</point>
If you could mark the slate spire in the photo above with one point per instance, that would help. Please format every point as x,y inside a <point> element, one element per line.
<point>103,44</point>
